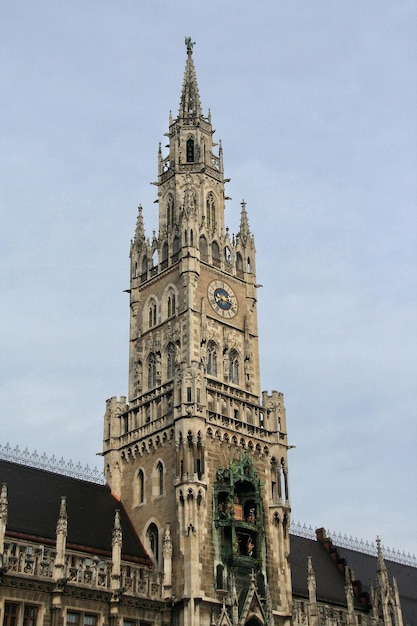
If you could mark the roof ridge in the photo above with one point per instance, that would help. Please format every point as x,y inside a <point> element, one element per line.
<point>355,544</point>
<point>51,464</point>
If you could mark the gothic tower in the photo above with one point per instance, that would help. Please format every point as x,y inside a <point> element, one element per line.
<point>197,455</point>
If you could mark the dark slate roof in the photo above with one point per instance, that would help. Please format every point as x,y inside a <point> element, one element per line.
<point>364,567</point>
<point>34,497</point>
<point>330,580</point>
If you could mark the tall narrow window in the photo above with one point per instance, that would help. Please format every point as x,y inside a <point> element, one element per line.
<point>210,211</point>
<point>153,540</point>
<point>160,476</point>
<point>171,361</point>
<point>152,314</point>
<point>171,304</point>
<point>215,253</point>
<point>234,367</point>
<point>170,211</point>
<point>151,371</point>
<point>11,614</point>
<point>141,486</point>
<point>190,150</point>
<point>212,359</point>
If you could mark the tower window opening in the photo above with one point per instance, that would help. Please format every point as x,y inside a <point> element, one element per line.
<point>190,150</point>
<point>188,394</point>
<point>215,253</point>
<point>212,359</point>
<point>152,314</point>
<point>160,476</point>
<point>151,371</point>
<point>141,485</point>
<point>155,258</point>
<point>210,211</point>
<point>152,536</point>
<point>170,211</point>
<point>165,255</point>
<point>234,368</point>
<point>171,361</point>
<point>171,304</point>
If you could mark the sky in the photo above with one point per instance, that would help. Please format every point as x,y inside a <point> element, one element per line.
<point>315,104</point>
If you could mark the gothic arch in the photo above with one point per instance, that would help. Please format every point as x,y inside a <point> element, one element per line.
<point>212,358</point>
<point>203,245</point>
<point>215,253</point>
<point>139,487</point>
<point>150,312</point>
<point>151,539</point>
<point>152,370</point>
<point>234,367</point>
<point>144,265</point>
<point>170,301</point>
<point>170,353</point>
<point>158,479</point>
<point>190,149</point>
<point>210,210</point>
<point>170,210</point>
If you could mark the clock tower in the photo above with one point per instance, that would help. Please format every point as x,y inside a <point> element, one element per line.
<point>197,454</point>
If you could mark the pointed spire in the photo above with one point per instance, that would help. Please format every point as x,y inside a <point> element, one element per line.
<point>140,227</point>
<point>116,552</point>
<point>190,106</point>
<point>61,541</point>
<point>244,223</point>
<point>3,516</point>
<point>117,530</point>
<point>62,523</point>
<point>381,567</point>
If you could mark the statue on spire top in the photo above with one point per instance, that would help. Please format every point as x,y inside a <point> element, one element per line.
<point>189,43</point>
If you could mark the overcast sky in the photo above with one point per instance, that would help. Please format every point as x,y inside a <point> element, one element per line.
<point>315,103</point>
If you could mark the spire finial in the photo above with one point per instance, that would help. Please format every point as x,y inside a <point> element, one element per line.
<point>189,44</point>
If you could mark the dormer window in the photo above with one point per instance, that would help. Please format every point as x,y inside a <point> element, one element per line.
<point>190,150</point>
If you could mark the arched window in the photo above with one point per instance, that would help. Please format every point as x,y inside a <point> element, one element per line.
<point>144,265</point>
<point>152,314</point>
<point>248,265</point>
<point>170,211</point>
<point>211,359</point>
<point>239,261</point>
<point>151,371</point>
<point>227,255</point>
<point>176,248</point>
<point>203,246</point>
<point>190,150</point>
<point>215,253</point>
<point>234,367</point>
<point>210,211</point>
<point>155,258</point>
<point>160,477</point>
<point>152,539</point>
<point>171,361</point>
<point>165,254</point>
<point>141,486</point>
<point>171,304</point>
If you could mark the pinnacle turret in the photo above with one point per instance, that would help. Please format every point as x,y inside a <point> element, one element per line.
<point>244,223</point>
<point>140,227</point>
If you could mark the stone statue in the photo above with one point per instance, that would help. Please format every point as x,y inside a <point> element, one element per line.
<point>189,43</point>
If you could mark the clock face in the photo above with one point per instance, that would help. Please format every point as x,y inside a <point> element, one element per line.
<point>222,298</point>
